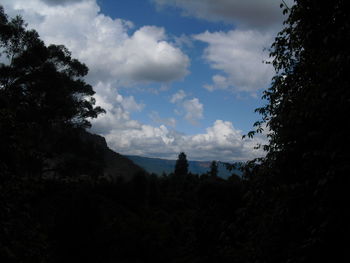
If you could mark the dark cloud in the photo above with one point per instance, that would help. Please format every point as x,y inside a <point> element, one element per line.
<point>247,13</point>
<point>61,2</point>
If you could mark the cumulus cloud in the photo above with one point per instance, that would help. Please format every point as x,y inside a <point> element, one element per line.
<point>103,43</point>
<point>118,108</point>
<point>183,41</point>
<point>178,96</point>
<point>191,109</point>
<point>194,110</point>
<point>220,141</point>
<point>239,54</point>
<point>247,13</point>
<point>129,103</point>
<point>155,117</point>
<point>115,56</point>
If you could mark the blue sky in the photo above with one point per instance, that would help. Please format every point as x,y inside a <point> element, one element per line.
<point>238,108</point>
<point>173,75</point>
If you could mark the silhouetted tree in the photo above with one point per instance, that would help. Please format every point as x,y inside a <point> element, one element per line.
<point>300,186</point>
<point>181,166</point>
<point>42,92</point>
<point>43,101</point>
<point>213,169</point>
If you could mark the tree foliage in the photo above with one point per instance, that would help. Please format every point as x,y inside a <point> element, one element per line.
<point>300,186</point>
<point>44,104</point>
<point>213,168</point>
<point>42,84</point>
<point>181,166</point>
<point>42,93</point>
<point>309,94</point>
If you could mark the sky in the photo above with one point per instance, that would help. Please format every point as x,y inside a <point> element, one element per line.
<point>172,75</point>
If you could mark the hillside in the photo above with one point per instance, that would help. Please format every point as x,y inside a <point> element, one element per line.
<point>115,164</point>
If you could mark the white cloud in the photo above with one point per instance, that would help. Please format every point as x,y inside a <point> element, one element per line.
<point>178,96</point>
<point>194,110</point>
<point>155,117</point>
<point>118,107</point>
<point>219,82</point>
<point>222,139</point>
<point>239,55</point>
<point>191,109</point>
<point>247,13</point>
<point>115,56</point>
<point>220,142</point>
<point>103,43</point>
<point>129,103</point>
<point>183,41</point>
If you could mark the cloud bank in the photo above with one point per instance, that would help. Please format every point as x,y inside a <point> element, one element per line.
<point>221,141</point>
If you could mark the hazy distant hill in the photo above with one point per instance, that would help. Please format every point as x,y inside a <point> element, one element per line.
<point>158,166</point>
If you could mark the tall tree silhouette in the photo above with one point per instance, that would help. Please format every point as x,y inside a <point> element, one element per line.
<point>42,92</point>
<point>181,166</point>
<point>303,180</point>
<point>213,168</point>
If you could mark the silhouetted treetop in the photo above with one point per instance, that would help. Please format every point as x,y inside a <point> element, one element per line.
<point>213,168</point>
<point>300,187</point>
<point>42,95</point>
<point>42,84</point>
<point>310,92</point>
<point>181,166</point>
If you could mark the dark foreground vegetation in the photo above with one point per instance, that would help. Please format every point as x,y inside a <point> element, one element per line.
<point>57,205</point>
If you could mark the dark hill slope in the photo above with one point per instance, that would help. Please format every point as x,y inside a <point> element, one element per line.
<point>115,164</point>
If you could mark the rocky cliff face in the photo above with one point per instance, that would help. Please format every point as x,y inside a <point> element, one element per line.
<point>115,164</point>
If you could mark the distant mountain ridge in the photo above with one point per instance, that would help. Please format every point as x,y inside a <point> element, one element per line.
<point>160,166</point>
<point>126,166</point>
